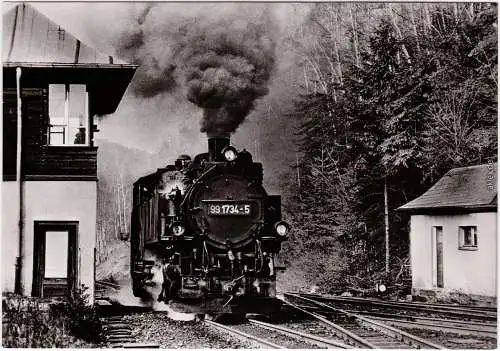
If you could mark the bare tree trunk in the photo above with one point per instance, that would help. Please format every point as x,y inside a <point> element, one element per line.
<point>298,169</point>
<point>414,25</point>
<point>398,32</point>
<point>336,48</point>
<point>455,12</point>
<point>355,36</point>
<point>306,80</point>
<point>123,204</point>
<point>386,224</point>
<point>117,201</point>
<point>327,57</point>
<point>443,20</point>
<point>471,11</point>
<point>319,76</point>
<point>427,18</point>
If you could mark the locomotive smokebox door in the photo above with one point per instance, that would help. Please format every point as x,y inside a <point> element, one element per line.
<point>230,220</point>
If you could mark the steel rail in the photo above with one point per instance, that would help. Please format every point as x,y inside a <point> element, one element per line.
<point>429,308</point>
<point>492,333</point>
<point>238,333</point>
<point>337,329</point>
<point>320,341</point>
<point>386,329</point>
<point>403,303</point>
<point>424,320</point>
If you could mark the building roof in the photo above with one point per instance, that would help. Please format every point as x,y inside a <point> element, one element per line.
<point>466,188</point>
<point>29,36</point>
<point>47,53</point>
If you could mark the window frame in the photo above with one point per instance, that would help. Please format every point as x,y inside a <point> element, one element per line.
<point>66,135</point>
<point>474,246</point>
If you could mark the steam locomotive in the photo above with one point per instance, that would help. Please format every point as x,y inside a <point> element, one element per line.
<point>213,218</point>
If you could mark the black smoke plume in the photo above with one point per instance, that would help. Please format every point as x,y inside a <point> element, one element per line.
<point>222,62</point>
<point>152,77</point>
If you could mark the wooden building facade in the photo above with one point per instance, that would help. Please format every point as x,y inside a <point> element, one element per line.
<point>54,86</point>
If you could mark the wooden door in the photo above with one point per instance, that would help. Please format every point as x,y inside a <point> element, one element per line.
<point>438,277</point>
<point>55,259</point>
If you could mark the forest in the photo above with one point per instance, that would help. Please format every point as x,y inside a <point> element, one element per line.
<point>388,98</point>
<point>411,94</point>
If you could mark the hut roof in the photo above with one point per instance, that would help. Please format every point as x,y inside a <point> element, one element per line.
<point>465,188</point>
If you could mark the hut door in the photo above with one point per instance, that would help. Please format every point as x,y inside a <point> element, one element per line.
<point>54,264</point>
<point>438,257</point>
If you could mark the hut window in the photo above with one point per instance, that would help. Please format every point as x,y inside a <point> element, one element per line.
<point>467,238</point>
<point>68,114</point>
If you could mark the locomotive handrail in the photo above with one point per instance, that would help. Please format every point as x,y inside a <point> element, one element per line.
<point>205,250</point>
<point>257,243</point>
<point>197,181</point>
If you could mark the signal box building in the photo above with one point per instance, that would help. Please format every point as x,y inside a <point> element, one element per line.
<point>53,87</point>
<point>453,235</point>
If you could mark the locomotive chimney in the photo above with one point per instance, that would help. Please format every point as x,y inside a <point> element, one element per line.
<point>215,147</point>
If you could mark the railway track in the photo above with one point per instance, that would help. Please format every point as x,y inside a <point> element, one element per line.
<point>461,312</point>
<point>344,333</point>
<point>294,338</point>
<point>118,334</point>
<point>239,334</point>
<point>474,322</point>
<point>444,325</point>
<point>362,332</point>
<point>327,327</point>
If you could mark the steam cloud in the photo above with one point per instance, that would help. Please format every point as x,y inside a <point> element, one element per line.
<point>221,59</point>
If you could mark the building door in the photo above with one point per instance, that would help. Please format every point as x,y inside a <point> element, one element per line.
<point>437,268</point>
<point>55,259</point>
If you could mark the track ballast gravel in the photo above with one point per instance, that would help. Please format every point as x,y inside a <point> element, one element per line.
<point>158,328</point>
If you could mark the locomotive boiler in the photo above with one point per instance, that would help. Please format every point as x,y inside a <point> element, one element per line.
<point>213,219</point>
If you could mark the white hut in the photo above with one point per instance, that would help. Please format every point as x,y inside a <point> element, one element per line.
<point>453,234</point>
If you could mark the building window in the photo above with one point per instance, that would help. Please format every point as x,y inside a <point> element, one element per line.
<point>467,238</point>
<point>68,114</point>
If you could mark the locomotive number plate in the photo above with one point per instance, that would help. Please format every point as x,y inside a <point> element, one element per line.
<point>221,208</point>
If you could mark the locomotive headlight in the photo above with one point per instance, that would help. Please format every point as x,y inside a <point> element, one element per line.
<point>381,288</point>
<point>178,229</point>
<point>282,228</point>
<point>230,153</point>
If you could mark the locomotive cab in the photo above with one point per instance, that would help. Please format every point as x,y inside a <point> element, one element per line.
<point>214,215</point>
